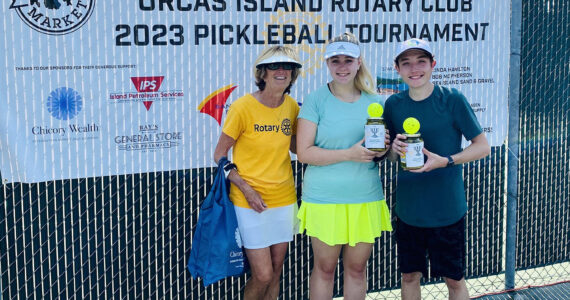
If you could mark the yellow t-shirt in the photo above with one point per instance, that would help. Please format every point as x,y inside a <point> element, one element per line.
<point>261,152</point>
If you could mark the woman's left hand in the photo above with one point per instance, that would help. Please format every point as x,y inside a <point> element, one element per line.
<point>433,162</point>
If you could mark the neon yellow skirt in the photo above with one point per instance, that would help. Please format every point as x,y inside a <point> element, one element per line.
<point>339,224</point>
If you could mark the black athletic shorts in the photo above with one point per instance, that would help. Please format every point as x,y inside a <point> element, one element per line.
<point>444,247</point>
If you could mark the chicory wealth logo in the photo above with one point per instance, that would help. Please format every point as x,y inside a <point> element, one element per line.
<point>238,237</point>
<point>55,17</point>
<point>147,92</point>
<point>64,103</point>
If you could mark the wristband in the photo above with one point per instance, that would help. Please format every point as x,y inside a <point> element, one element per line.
<point>228,168</point>
<point>450,162</point>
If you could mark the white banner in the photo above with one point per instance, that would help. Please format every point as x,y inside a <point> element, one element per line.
<point>97,88</point>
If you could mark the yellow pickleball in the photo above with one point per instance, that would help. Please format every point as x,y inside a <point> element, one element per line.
<point>411,125</point>
<point>375,110</point>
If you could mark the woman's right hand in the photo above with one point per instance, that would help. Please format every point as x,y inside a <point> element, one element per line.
<point>359,153</point>
<point>254,199</point>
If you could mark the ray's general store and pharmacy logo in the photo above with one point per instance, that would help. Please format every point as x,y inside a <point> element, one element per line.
<point>55,17</point>
<point>149,139</point>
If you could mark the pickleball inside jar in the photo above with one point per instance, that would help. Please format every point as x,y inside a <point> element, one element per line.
<point>413,158</point>
<point>374,134</point>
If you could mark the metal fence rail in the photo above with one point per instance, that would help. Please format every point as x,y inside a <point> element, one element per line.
<point>130,236</point>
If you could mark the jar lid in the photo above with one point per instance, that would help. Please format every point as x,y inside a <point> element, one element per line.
<point>410,135</point>
<point>375,118</point>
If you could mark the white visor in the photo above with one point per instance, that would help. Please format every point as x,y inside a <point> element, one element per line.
<point>279,59</point>
<point>342,48</point>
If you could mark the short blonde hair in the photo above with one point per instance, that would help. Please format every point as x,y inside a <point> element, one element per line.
<point>259,73</point>
<point>363,80</point>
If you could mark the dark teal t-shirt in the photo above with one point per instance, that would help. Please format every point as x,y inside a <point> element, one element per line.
<point>436,198</point>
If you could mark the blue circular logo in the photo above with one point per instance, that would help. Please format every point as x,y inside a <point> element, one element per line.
<point>64,103</point>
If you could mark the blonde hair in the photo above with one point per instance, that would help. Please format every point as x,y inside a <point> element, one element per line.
<point>259,73</point>
<point>363,80</point>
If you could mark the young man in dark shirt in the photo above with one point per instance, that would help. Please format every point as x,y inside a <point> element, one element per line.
<point>430,201</point>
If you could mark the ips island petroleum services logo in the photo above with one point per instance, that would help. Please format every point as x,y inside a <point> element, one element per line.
<point>147,91</point>
<point>55,17</point>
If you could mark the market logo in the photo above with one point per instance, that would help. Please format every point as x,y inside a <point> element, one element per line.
<point>149,138</point>
<point>304,26</point>
<point>214,104</point>
<point>54,17</point>
<point>64,103</point>
<point>147,92</point>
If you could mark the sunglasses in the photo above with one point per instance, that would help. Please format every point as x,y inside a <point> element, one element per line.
<point>276,66</point>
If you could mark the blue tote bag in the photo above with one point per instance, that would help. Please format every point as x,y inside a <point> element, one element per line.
<point>216,247</point>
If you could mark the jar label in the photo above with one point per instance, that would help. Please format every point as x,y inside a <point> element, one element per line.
<point>374,136</point>
<point>414,155</point>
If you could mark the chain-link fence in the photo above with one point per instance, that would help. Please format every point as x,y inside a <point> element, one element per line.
<point>543,232</point>
<point>130,236</point>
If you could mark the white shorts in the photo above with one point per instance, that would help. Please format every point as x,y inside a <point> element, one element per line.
<point>272,226</point>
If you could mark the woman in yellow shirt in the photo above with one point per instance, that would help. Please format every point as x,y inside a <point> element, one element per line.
<point>261,128</point>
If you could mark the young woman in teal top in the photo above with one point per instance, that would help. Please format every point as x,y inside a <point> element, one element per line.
<point>343,206</point>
